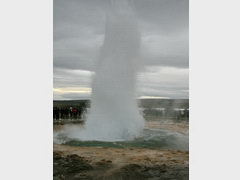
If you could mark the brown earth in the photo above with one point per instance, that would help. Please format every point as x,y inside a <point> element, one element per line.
<point>125,163</point>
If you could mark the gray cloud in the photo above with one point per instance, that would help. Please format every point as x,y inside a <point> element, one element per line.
<point>164,81</point>
<point>79,31</point>
<point>71,78</point>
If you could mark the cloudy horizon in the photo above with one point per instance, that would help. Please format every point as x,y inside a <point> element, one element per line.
<point>79,27</point>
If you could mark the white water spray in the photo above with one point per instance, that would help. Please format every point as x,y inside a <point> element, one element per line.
<point>114,114</point>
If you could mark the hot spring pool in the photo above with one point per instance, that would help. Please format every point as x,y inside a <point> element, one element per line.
<point>150,138</point>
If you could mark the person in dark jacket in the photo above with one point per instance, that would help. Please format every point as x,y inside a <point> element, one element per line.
<point>74,111</point>
<point>57,113</point>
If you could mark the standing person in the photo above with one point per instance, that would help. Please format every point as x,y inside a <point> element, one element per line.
<point>80,112</point>
<point>70,111</point>
<point>57,113</point>
<point>65,113</point>
<point>186,113</point>
<point>61,113</point>
<point>74,111</point>
<point>182,113</point>
<point>54,113</point>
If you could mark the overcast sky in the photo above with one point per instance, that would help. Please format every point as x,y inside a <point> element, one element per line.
<point>79,27</point>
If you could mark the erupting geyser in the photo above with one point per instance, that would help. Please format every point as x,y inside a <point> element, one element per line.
<point>114,114</point>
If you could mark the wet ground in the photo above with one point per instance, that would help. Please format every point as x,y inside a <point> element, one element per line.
<point>99,162</point>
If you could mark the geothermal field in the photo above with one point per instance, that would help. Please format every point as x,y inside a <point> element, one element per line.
<point>160,152</point>
<point>113,137</point>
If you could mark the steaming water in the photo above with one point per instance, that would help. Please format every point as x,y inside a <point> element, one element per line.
<point>149,138</point>
<point>114,115</point>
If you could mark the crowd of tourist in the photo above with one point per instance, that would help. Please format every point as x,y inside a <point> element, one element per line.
<point>169,113</point>
<point>61,113</point>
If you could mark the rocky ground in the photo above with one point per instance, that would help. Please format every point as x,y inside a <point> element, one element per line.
<point>97,163</point>
<point>108,163</point>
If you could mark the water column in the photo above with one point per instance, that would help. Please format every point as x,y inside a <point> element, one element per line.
<point>114,114</point>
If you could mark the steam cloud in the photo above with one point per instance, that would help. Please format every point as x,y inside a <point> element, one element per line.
<point>114,114</point>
